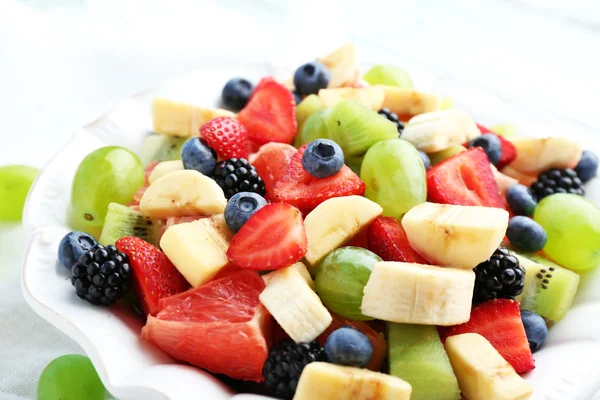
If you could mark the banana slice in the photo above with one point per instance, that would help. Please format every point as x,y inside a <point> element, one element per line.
<point>455,236</point>
<point>183,193</point>
<point>408,102</point>
<point>342,65</point>
<point>164,168</point>
<point>418,294</point>
<point>371,97</point>
<point>294,305</point>
<point>181,119</point>
<point>537,155</point>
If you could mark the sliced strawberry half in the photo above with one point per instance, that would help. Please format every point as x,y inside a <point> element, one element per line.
<point>509,151</point>
<point>499,321</point>
<point>274,237</point>
<point>270,115</point>
<point>464,179</point>
<point>388,240</point>
<point>155,277</point>
<point>302,190</point>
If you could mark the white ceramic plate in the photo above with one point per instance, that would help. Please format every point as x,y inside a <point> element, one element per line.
<point>131,369</point>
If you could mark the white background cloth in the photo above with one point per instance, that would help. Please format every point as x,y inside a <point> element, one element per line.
<point>65,62</point>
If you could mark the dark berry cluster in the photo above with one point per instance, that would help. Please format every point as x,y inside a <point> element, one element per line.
<point>393,117</point>
<point>237,175</point>
<point>500,276</point>
<point>557,181</point>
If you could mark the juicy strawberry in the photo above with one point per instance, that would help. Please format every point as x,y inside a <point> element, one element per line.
<point>155,277</point>
<point>499,321</point>
<point>360,240</point>
<point>270,115</point>
<point>274,237</point>
<point>464,179</point>
<point>509,151</point>
<point>271,162</point>
<point>302,190</point>
<point>483,129</point>
<point>227,136</point>
<point>388,240</point>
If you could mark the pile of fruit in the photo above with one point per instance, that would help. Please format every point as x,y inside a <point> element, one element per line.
<point>321,227</point>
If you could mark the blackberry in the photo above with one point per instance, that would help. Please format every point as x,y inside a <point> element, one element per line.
<point>557,181</point>
<point>499,277</point>
<point>102,275</point>
<point>237,175</point>
<point>285,364</point>
<point>393,117</point>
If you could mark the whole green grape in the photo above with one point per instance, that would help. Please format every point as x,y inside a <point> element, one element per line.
<point>313,128</point>
<point>110,174</point>
<point>388,75</point>
<point>15,181</point>
<point>70,377</point>
<point>573,227</point>
<point>394,175</point>
<point>341,278</point>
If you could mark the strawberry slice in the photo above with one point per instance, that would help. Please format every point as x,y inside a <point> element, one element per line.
<point>155,276</point>
<point>465,179</point>
<point>302,190</point>
<point>388,240</point>
<point>270,115</point>
<point>227,136</point>
<point>499,321</point>
<point>274,237</point>
<point>271,162</point>
<point>509,151</point>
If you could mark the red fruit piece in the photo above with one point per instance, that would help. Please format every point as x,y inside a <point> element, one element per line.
<point>302,190</point>
<point>155,277</point>
<point>270,115</point>
<point>274,237</point>
<point>149,168</point>
<point>360,240</point>
<point>220,326</point>
<point>227,136</point>
<point>271,162</point>
<point>464,179</point>
<point>499,321</point>
<point>509,151</point>
<point>388,240</point>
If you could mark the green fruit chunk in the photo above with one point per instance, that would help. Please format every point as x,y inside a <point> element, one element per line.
<point>158,147</point>
<point>549,289</point>
<point>356,128</point>
<point>506,130</point>
<point>314,128</point>
<point>307,107</point>
<point>394,175</point>
<point>417,356</point>
<point>70,377</point>
<point>341,278</point>
<point>447,103</point>
<point>354,163</point>
<point>123,221</point>
<point>15,181</point>
<point>445,154</point>
<point>388,75</point>
<point>573,227</point>
<point>110,174</point>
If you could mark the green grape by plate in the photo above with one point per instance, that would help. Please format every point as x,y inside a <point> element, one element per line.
<point>110,174</point>
<point>15,181</point>
<point>388,75</point>
<point>70,377</point>
<point>341,278</point>
<point>313,128</point>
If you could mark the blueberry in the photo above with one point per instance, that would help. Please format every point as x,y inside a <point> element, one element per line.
<point>526,234</point>
<point>311,77</point>
<point>587,167</point>
<point>196,155</point>
<point>236,93</point>
<point>426,160</point>
<point>490,144</point>
<point>241,207</point>
<point>323,158</point>
<point>535,329</point>
<point>347,346</point>
<point>297,96</point>
<point>521,200</point>
<point>73,246</point>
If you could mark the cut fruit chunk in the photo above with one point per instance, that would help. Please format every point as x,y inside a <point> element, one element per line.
<point>183,193</point>
<point>499,321</point>
<point>464,179</point>
<point>342,65</point>
<point>271,162</point>
<point>198,249</point>
<point>388,240</point>
<point>300,267</point>
<point>307,107</point>
<point>123,221</point>
<point>455,236</point>
<point>163,168</point>
<point>335,221</point>
<point>324,381</point>
<point>482,373</point>
<point>417,356</point>
<point>523,178</point>
<point>220,327</point>
<point>370,97</point>
<point>537,155</point>
<point>315,127</point>
<point>408,102</point>
<point>294,305</point>
<point>418,294</point>
<point>181,119</point>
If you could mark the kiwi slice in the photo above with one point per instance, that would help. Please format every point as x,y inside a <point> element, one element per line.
<point>417,355</point>
<point>307,107</point>
<point>158,147</point>
<point>123,221</point>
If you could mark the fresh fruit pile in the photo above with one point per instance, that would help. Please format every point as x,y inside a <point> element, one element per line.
<point>335,222</point>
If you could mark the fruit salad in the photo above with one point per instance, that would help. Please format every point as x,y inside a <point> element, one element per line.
<point>338,235</point>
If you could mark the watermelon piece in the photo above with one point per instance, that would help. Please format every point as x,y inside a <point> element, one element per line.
<point>271,162</point>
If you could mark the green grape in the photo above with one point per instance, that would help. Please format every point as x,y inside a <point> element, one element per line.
<point>15,181</point>
<point>573,227</point>
<point>395,176</point>
<point>341,278</point>
<point>108,175</point>
<point>314,128</point>
<point>161,147</point>
<point>307,107</point>
<point>506,130</point>
<point>70,377</point>
<point>388,75</point>
<point>447,103</point>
